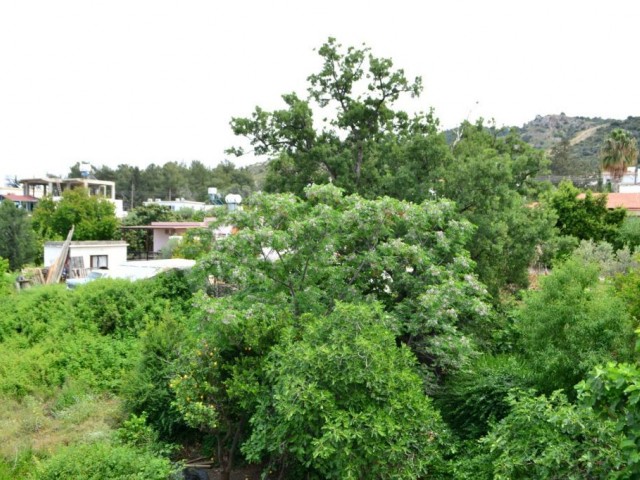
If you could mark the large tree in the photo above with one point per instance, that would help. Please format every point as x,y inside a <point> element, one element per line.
<point>366,146</point>
<point>301,271</point>
<point>619,151</point>
<point>356,92</point>
<point>491,177</point>
<point>17,239</point>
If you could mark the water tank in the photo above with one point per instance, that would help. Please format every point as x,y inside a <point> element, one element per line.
<point>85,170</point>
<point>233,200</point>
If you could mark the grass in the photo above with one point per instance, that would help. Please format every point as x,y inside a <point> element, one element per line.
<point>36,427</point>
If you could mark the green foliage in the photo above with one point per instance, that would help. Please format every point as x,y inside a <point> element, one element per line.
<point>50,336</point>
<point>627,286</point>
<point>219,375</point>
<point>6,280</point>
<point>476,395</point>
<point>304,256</point>
<point>104,461</point>
<point>491,179</point>
<point>135,432</point>
<point>629,232</point>
<point>358,90</point>
<point>613,391</point>
<point>602,254</point>
<point>17,238</point>
<point>371,149</point>
<point>94,217</point>
<point>145,389</point>
<point>574,322</point>
<point>118,307</point>
<point>619,151</point>
<point>195,243</point>
<point>586,218</point>
<point>547,438</point>
<point>346,403</point>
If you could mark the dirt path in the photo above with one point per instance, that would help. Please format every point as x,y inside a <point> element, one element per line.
<point>583,135</point>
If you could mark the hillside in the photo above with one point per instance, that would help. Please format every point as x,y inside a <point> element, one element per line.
<point>577,157</point>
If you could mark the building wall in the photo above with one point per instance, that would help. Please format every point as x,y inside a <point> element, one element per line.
<point>177,205</point>
<point>116,251</point>
<point>162,236</point>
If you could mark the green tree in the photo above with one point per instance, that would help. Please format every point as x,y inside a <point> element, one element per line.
<point>358,91</point>
<point>309,254</point>
<point>619,151</point>
<point>491,177</point>
<point>585,217</point>
<point>346,403</point>
<point>294,261</point>
<point>94,217</point>
<point>613,391</point>
<point>547,437</point>
<point>571,324</point>
<point>17,239</point>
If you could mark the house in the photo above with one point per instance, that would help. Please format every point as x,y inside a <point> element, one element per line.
<point>179,204</point>
<point>161,233</point>
<point>627,184</point>
<point>85,255</point>
<point>41,187</point>
<point>629,201</point>
<point>26,202</point>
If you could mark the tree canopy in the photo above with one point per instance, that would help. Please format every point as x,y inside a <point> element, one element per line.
<point>94,217</point>
<point>356,92</point>
<point>619,151</point>
<point>17,238</point>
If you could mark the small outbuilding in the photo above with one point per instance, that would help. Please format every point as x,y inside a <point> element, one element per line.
<point>91,254</point>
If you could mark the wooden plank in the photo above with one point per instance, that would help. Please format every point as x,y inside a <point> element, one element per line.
<point>56,269</point>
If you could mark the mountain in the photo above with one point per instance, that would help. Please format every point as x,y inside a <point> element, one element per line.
<point>573,143</point>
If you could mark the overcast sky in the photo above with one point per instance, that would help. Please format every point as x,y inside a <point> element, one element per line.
<point>142,81</point>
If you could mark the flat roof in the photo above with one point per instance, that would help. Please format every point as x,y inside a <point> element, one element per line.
<point>90,243</point>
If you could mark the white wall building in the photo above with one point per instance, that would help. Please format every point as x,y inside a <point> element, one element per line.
<point>94,253</point>
<point>179,204</point>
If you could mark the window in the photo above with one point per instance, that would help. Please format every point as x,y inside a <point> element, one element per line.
<point>99,261</point>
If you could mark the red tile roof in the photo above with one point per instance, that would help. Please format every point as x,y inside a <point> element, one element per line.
<point>20,198</point>
<point>628,201</point>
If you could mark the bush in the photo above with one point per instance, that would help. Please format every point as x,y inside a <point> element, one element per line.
<point>104,461</point>
<point>546,438</point>
<point>146,389</point>
<point>476,396</point>
<point>630,232</point>
<point>573,323</point>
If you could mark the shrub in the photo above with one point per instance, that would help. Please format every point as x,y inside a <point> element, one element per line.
<point>146,388</point>
<point>476,396</point>
<point>574,322</point>
<point>547,438</point>
<point>104,461</point>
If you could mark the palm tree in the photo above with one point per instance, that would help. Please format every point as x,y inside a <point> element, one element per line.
<point>620,150</point>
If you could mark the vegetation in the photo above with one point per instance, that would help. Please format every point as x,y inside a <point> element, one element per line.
<point>17,238</point>
<point>620,150</point>
<point>173,180</point>
<point>93,217</point>
<point>374,324</point>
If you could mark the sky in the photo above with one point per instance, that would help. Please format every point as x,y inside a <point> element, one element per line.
<point>153,81</point>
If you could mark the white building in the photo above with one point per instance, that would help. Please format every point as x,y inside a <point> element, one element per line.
<point>94,253</point>
<point>179,204</point>
<point>40,187</point>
